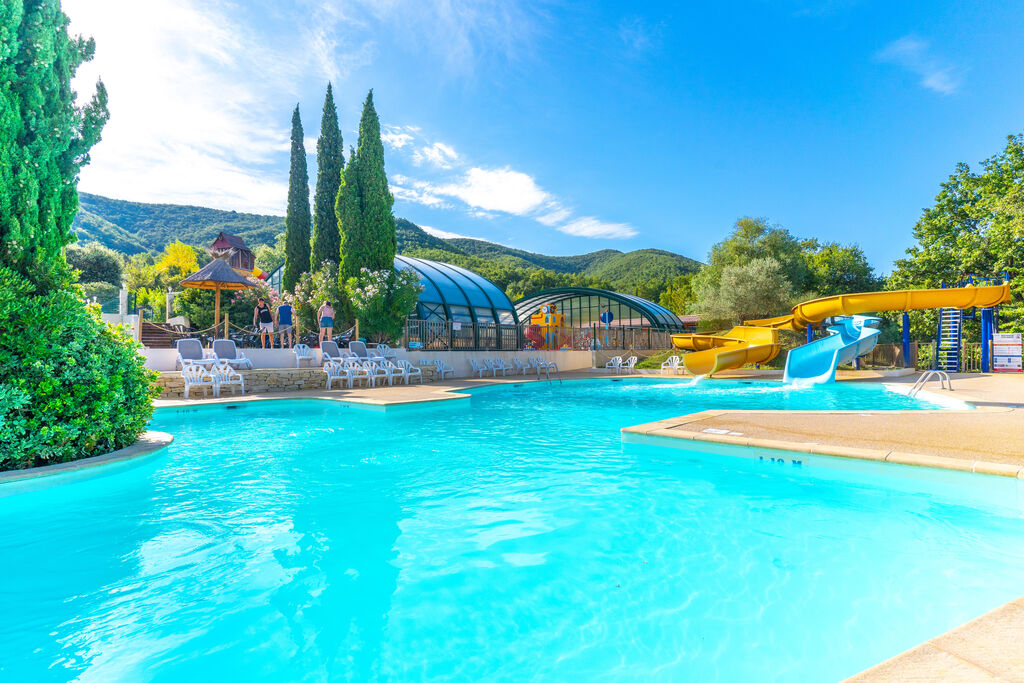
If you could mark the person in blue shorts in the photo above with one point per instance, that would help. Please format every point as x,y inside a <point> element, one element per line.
<point>285,327</point>
<point>326,317</point>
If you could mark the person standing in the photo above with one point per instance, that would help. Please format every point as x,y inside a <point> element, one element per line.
<point>326,317</point>
<point>264,317</point>
<point>284,324</point>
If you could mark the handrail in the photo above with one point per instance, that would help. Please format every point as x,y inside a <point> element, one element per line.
<point>941,375</point>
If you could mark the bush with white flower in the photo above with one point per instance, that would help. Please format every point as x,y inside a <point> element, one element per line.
<point>382,300</point>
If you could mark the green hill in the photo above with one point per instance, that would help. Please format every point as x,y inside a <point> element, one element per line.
<point>126,226</point>
<point>134,227</point>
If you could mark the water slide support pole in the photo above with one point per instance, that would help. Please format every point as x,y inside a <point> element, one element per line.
<point>986,338</point>
<point>906,339</point>
<point>810,333</point>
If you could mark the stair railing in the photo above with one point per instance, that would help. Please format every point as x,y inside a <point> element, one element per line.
<point>944,381</point>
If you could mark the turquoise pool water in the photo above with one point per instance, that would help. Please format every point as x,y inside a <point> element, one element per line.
<point>510,536</point>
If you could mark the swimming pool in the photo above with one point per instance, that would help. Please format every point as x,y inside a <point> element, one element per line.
<point>507,536</point>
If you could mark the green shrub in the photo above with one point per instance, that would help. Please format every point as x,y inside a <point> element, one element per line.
<point>382,300</point>
<point>70,386</point>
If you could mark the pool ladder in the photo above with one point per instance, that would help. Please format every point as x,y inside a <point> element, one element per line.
<point>941,375</point>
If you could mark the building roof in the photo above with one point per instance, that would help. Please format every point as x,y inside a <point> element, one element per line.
<point>655,314</point>
<point>453,289</point>
<point>216,274</point>
<point>225,241</point>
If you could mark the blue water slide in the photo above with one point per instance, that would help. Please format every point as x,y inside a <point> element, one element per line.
<point>816,363</point>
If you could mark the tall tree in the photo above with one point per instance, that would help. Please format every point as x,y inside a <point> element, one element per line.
<point>364,203</point>
<point>330,162</point>
<point>296,222</point>
<point>44,138</point>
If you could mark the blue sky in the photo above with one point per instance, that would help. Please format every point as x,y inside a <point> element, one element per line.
<point>564,127</point>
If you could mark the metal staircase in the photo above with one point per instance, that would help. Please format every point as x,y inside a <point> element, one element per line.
<point>947,351</point>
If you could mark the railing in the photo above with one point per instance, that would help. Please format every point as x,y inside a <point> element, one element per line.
<point>890,356</point>
<point>442,335</point>
<point>970,357</point>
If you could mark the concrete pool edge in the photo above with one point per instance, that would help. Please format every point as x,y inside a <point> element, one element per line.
<point>149,443</point>
<point>987,648</point>
<point>677,428</point>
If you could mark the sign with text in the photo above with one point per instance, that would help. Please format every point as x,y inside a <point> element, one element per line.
<point>1006,352</point>
<point>456,326</point>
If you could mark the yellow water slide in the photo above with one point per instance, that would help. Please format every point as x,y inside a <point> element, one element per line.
<point>758,340</point>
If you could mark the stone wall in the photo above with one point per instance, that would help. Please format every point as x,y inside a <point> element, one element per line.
<point>258,381</point>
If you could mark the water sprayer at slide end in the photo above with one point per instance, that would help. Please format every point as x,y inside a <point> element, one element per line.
<point>757,341</point>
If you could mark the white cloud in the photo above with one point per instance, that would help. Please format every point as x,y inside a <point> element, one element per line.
<point>556,214</point>
<point>195,100</point>
<point>592,227</point>
<point>438,154</point>
<point>396,140</point>
<point>499,189</point>
<point>445,235</point>
<point>915,55</point>
<point>417,191</point>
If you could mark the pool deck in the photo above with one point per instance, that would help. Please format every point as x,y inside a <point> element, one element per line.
<point>988,439</point>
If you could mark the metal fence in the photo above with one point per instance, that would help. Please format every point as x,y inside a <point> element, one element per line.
<point>890,356</point>
<point>443,335</point>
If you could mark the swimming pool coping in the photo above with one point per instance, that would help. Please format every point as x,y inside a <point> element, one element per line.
<point>150,442</point>
<point>670,428</point>
<point>987,648</point>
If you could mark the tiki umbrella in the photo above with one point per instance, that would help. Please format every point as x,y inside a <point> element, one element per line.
<point>216,275</point>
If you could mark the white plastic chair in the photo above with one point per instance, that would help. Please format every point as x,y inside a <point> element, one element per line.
<point>356,373</point>
<point>520,366</point>
<point>375,372</point>
<point>478,369</point>
<point>671,363</point>
<point>303,353</point>
<point>497,365</point>
<point>385,351</point>
<point>225,376</point>
<point>545,366</point>
<point>443,369</point>
<point>225,351</point>
<point>191,352</point>
<point>337,371</point>
<point>628,366</point>
<point>410,370</point>
<point>396,371</point>
<point>197,376</point>
<point>614,364</point>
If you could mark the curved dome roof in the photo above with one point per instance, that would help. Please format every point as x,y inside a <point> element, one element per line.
<point>628,308</point>
<point>453,293</point>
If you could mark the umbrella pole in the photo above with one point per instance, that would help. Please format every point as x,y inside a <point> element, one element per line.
<point>216,313</point>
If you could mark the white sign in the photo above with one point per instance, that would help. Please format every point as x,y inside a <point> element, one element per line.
<point>456,326</point>
<point>1006,352</point>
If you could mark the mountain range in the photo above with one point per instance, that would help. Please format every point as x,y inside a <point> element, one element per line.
<point>135,227</point>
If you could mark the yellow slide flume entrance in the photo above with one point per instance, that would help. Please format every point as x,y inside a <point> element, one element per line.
<point>758,340</point>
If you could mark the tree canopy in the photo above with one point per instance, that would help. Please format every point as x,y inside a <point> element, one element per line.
<point>297,220</point>
<point>330,161</point>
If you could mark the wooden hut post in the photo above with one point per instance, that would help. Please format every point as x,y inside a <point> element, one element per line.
<point>216,311</point>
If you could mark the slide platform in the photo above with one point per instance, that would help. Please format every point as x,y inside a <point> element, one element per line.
<point>816,363</point>
<point>757,341</point>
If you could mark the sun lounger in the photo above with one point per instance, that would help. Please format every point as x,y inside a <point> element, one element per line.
<point>226,351</point>
<point>329,351</point>
<point>190,352</point>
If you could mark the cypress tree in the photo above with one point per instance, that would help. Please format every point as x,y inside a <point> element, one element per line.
<point>364,202</point>
<point>330,165</point>
<point>347,210</point>
<point>296,222</point>
<point>44,138</point>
